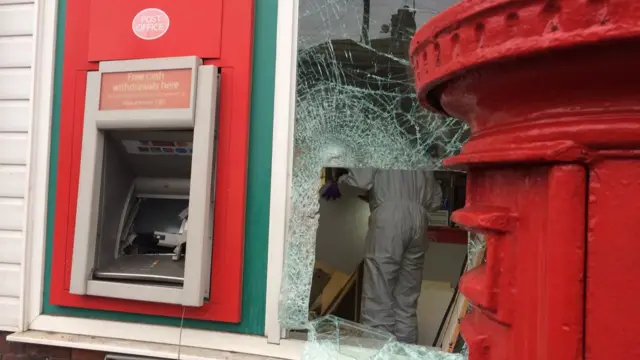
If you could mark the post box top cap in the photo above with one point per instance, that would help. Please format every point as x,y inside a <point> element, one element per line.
<point>477,33</point>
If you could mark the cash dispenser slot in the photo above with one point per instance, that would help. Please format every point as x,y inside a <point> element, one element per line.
<point>145,205</point>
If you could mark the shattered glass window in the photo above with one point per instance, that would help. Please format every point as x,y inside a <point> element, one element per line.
<point>355,107</point>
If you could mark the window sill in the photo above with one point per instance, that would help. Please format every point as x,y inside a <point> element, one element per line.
<point>152,340</point>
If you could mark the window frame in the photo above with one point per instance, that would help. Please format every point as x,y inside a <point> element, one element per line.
<point>281,160</point>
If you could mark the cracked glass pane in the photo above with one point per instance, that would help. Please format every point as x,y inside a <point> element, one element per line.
<point>355,107</point>
<point>476,249</point>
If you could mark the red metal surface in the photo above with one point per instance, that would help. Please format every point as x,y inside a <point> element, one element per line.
<point>523,310</point>
<point>234,61</point>
<point>612,280</point>
<point>195,29</point>
<point>549,90</point>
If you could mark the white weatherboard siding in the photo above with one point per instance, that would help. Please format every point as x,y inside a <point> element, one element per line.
<point>17,22</point>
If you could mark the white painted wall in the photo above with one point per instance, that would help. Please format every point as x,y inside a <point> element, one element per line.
<point>342,228</point>
<point>17,23</point>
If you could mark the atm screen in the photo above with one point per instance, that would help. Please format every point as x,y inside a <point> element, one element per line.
<point>161,215</point>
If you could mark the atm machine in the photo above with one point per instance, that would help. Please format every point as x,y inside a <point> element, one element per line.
<point>155,103</point>
<point>144,216</point>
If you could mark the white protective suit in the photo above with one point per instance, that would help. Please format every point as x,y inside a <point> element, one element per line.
<point>395,245</point>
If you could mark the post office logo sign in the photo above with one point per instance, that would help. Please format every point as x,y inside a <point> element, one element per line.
<point>150,24</point>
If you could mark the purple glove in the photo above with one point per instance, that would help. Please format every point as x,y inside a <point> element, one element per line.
<point>331,191</point>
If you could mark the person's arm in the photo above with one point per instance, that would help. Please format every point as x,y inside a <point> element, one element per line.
<point>436,193</point>
<point>358,178</point>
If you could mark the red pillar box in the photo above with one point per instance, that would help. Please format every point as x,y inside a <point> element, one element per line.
<point>550,91</point>
<point>107,31</point>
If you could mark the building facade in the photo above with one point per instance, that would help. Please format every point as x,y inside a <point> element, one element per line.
<point>17,25</point>
<point>47,50</point>
<point>32,41</point>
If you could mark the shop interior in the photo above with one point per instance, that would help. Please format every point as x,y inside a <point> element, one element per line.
<point>143,199</point>
<point>337,279</point>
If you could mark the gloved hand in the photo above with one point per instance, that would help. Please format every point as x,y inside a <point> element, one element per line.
<point>331,191</point>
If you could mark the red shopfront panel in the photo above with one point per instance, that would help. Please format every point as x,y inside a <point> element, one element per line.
<point>94,32</point>
<point>193,28</point>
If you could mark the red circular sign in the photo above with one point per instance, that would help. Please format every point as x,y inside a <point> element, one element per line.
<point>150,24</point>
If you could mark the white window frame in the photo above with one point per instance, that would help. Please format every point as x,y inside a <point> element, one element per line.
<point>281,159</point>
<point>142,339</point>
<point>44,41</point>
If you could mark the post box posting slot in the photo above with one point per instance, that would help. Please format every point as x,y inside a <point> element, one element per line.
<point>144,216</point>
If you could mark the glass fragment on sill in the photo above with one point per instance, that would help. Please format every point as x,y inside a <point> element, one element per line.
<point>333,338</point>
